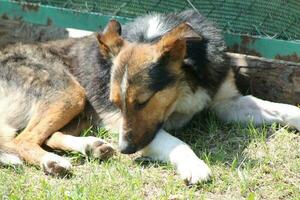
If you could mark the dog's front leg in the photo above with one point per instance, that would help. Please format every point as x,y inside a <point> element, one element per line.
<point>167,148</point>
<point>249,108</point>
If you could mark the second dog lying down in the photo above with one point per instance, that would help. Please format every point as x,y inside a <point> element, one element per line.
<point>155,76</point>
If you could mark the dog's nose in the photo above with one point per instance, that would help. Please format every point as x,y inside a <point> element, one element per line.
<point>127,148</point>
<point>126,145</point>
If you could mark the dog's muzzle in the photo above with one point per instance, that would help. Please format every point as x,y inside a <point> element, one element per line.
<point>127,148</point>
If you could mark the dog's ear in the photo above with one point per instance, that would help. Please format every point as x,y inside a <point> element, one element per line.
<point>110,40</point>
<point>174,42</point>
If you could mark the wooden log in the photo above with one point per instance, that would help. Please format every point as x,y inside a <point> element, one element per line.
<point>12,31</point>
<point>269,79</point>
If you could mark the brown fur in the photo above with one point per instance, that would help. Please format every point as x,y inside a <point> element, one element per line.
<point>110,41</point>
<point>140,125</point>
<point>48,119</point>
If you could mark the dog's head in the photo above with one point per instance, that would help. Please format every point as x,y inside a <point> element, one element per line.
<point>144,82</point>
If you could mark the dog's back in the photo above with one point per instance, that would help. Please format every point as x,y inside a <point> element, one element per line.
<point>29,75</point>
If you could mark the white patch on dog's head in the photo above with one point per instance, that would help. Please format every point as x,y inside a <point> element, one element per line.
<point>154,25</point>
<point>124,86</point>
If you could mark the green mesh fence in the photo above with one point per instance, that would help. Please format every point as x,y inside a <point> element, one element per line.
<point>278,19</point>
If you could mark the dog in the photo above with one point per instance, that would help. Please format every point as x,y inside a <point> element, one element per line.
<point>141,80</point>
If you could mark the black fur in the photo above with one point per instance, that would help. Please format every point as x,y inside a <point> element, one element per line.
<point>37,72</point>
<point>204,57</point>
<point>160,76</point>
<point>93,73</point>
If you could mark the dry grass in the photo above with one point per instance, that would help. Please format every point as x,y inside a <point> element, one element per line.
<point>247,163</point>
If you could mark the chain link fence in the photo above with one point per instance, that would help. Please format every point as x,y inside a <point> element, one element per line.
<point>278,19</point>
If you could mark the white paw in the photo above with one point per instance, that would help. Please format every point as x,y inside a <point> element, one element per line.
<point>98,148</point>
<point>292,116</point>
<point>10,159</point>
<point>295,122</point>
<point>193,171</point>
<point>55,165</point>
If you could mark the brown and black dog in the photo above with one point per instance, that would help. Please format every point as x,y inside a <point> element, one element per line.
<point>153,76</point>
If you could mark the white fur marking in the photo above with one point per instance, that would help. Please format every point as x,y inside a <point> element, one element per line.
<point>230,106</point>
<point>167,148</point>
<point>121,133</point>
<point>80,144</point>
<point>228,89</point>
<point>60,161</point>
<point>10,159</point>
<point>124,85</point>
<point>7,133</point>
<point>154,25</point>
<point>192,102</point>
<point>15,107</point>
<point>76,33</point>
<point>246,108</point>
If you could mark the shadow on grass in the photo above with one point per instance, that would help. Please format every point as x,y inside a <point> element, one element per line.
<point>146,162</point>
<point>216,142</point>
<point>212,140</point>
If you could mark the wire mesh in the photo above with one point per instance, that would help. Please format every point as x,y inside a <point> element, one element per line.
<point>269,18</point>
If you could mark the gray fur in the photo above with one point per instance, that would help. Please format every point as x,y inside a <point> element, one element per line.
<point>93,72</point>
<point>136,31</point>
<point>28,74</point>
<point>13,31</point>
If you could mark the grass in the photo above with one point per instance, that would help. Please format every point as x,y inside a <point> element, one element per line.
<point>247,163</point>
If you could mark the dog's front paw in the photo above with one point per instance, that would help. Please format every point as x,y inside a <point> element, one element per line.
<point>291,116</point>
<point>99,149</point>
<point>193,171</point>
<point>295,122</point>
<point>55,165</point>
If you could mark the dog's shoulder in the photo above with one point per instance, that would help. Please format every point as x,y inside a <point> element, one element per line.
<point>92,71</point>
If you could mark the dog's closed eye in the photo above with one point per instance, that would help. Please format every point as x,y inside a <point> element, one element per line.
<point>142,100</point>
<point>141,105</point>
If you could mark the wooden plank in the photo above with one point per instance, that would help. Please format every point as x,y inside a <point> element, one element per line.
<point>60,17</point>
<point>12,31</point>
<point>263,47</point>
<point>269,79</point>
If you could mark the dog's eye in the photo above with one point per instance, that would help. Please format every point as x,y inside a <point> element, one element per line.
<point>142,99</point>
<point>141,105</point>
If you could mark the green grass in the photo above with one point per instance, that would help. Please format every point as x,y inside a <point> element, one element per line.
<point>247,163</point>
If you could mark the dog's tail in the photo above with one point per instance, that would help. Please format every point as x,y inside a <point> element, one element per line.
<point>8,156</point>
